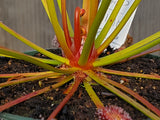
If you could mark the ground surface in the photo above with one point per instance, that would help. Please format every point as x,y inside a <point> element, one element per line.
<point>80,107</point>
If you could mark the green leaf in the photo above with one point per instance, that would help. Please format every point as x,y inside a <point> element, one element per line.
<point>30,59</point>
<point>130,51</point>
<point>7,116</point>
<point>34,46</point>
<point>68,20</point>
<point>38,92</point>
<point>122,95</point>
<point>90,7</point>
<point>109,23</point>
<point>131,92</point>
<point>92,32</point>
<point>92,94</point>
<point>119,27</point>
<point>48,61</point>
<point>28,79</point>
<point>50,9</point>
<point>129,74</point>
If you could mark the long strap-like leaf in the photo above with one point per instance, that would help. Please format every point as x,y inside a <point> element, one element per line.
<point>122,95</point>
<point>68,20</point>
<point>119,27</point>
<point>92,94</point>
<point>28,79</point>
<point>92,32</point>
<point>32,45</point>
<point>50,9</point>
<point>129,74</point>
<point>33,94</point>
<point>30,59</point>
<point>130,51</point>
<point>109,23</point>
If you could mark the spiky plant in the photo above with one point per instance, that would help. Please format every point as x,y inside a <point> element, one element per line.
<point>81,62</point>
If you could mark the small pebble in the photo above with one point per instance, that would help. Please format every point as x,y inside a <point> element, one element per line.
<point>40,83</point>
<point>154,87</point>
<point>135,89</point>
<point>52,105</point>
<point>141,71</point>
<point>107,94</point>
<point>57,89</point>
<point>141,88</point>
<point>128,68</point>
<point>121,81</point>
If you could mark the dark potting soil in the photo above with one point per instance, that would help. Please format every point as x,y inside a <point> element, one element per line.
<point>80,106</point>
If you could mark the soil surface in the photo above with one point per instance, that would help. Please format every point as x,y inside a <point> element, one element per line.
<point>80,106</point>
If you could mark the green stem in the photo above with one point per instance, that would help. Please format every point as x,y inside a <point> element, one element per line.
<point>92,32</point>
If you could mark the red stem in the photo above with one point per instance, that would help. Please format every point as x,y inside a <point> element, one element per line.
<point>23,98</point>
<point>66,99</point>
<point>64,22</point>
<point>77,29</point>
<point>33,94</point>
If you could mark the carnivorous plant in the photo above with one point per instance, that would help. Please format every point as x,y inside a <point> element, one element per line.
<point>80,63</point>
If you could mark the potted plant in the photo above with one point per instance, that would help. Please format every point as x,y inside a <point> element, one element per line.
<point>80,62</point>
